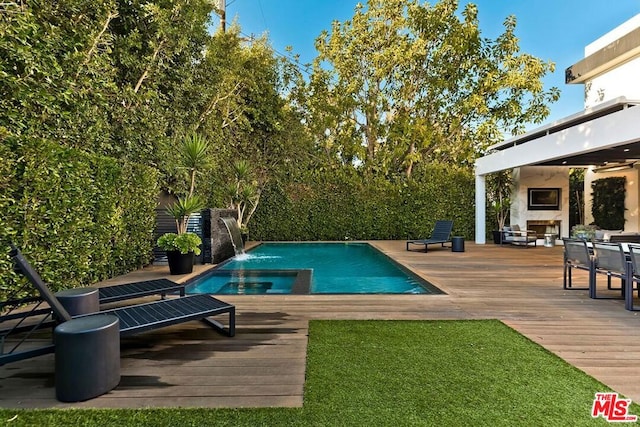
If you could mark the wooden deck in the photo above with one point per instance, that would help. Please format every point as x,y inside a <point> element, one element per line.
<point>264,364</point>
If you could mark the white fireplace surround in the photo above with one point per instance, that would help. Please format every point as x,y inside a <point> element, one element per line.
<point>542,227</point>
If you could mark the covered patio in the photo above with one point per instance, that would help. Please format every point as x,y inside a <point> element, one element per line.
<point>605,136</point>
<point>264,364</point>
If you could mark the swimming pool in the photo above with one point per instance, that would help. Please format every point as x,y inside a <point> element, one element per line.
<point>319,268</point>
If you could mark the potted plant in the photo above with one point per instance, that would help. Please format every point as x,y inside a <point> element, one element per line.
<point>181,251</point>
<point>499,188</point>
<point>182,247</point>
<point>583,232</point>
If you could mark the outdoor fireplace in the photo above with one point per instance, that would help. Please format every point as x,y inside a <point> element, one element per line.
<point>542,227</point>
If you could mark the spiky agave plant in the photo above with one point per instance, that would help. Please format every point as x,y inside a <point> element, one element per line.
<point>194,157</point>
<point>182,209</point>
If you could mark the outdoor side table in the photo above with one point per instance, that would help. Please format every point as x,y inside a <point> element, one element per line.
<point>457,244</point>
<point>79,300</point>
<point>549,240</point>
<point>87,357</point>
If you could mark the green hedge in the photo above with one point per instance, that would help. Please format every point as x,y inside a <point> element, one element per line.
<point>343,205</point>
<point>79,218</point>
<point>608,202</point>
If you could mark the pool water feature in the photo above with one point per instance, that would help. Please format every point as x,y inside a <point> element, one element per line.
<point>337,268</point>
<point>234,233</point>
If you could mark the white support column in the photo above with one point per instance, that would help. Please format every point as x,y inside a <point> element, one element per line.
<point>481,210</point>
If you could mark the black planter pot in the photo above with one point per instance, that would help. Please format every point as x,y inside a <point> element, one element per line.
<point>496,237</point>
<point>244,237</point>
<point>180,263</point>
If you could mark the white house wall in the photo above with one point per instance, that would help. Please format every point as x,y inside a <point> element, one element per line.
<point>632,197</point>
<point>620,81</point>
<point>612,36</point>
<point>540,177</point>
<point>608,81</point>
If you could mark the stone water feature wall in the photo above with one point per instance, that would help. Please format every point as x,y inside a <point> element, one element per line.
<point>216,242</point>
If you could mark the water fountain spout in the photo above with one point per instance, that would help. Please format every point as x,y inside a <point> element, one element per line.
<point>234,234</point>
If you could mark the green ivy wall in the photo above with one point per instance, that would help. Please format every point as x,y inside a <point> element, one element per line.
<point>79,218</point>
<point>346,206</point>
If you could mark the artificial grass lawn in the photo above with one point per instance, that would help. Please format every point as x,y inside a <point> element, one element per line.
<point>440,373</point>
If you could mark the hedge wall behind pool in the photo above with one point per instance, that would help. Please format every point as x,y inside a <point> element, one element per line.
<point>334,205</point>
<point>78,218</point>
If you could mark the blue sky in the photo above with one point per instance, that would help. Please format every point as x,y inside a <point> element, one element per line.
<point>555,30</point>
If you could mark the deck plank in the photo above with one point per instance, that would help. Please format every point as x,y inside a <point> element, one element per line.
<point>189,365</point>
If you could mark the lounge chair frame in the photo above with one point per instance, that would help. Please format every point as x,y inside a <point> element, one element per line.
<point>441,234</point>
<point>134,319</point>
<point>145,288</point>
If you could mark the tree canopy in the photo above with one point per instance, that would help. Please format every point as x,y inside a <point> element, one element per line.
<point>130,78</point>
<point>403,82</point>
<point>400,83</point>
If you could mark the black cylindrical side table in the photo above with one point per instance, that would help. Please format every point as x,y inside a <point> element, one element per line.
<point>79,300</point>
<point>457,244</point>
<point>87,357</point>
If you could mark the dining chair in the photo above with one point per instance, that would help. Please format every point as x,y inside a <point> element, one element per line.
<point>609,260</point>
<point>633,277</point>
<point>576,256</point>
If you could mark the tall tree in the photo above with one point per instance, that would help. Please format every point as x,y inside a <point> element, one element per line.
<point>100,75</point>
<point>242,105</point>
<point>157,47</point>
<point>405,82</point>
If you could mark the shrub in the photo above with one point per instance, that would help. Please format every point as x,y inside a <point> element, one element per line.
<point>79,218</point>
<point>183,242</point>
<point>344,205</point>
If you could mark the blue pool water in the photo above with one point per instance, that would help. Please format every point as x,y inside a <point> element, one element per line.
<point>245,282</point>
<point>337,268</point>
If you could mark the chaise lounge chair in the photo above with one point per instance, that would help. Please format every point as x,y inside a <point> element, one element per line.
<point>441,234</point>
<point>139,289</point>
<point>133,319</point>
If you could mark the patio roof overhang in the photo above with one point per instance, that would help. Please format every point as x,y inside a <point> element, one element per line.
<point>608,133</point>
<point>604,134</point>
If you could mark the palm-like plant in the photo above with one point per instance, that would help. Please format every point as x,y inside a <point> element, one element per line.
<point>182,209</point>
<point>243,192</point>
<point>194,158</point>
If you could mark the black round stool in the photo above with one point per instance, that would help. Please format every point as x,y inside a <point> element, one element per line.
<point>457,244</point>
<point>87,357</point>
<point>79,300</point>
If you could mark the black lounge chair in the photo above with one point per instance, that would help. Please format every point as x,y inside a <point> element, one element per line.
<point>142,317</point>
<point>441,234</point>
<point>126,291</point>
